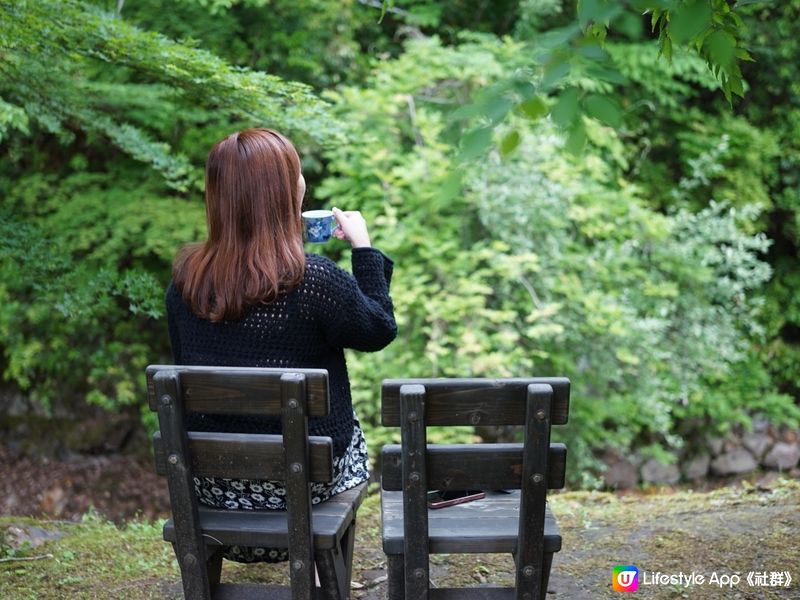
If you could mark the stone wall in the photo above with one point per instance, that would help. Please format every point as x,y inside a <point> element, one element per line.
<point>740,452</point>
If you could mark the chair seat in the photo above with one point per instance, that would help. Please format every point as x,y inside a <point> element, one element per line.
<point>489,525</point>
<point>269,528</point>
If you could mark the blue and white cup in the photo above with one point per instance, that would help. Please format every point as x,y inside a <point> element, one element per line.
<point>319,225</point>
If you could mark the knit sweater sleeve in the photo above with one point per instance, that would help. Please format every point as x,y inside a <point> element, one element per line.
<point>360,314</point>
<point>173,296</point>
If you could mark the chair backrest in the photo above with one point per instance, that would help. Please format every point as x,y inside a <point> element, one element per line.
<point>293,457</point>
<point>532,466</point>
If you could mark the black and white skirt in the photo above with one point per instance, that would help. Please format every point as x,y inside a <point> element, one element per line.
<point>349,470</point>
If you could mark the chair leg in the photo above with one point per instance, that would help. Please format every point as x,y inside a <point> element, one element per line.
<point>347,552</point>
<point>547,563</point>
<point>194,577</point>
<point>396,576</point>
<point>214,565</point>
<point>335,566</point>
<point>327,571</point>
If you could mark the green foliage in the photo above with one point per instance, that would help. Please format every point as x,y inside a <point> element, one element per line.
<point>218,7</point>
<point>444,284</point>
<point>83,270</point>
<point>12,117</point>
<point>448,19</point>
<point>658,270</point>
<point>572,64</point>
<point>313,41</point>
<point>52,48</point>
<point>88,241</point>
<point>714,29</point>
<point>648,312</point>
<point>541,264</point>
<point>689,149</point>
<point>773,79</point>
<point>664,84</point>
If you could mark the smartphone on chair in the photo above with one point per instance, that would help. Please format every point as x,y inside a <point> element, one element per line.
<point>442,498</point>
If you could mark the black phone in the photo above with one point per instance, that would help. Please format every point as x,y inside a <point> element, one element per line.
<point>440,498</point>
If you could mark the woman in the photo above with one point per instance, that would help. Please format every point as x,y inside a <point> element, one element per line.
<point>250,297</point>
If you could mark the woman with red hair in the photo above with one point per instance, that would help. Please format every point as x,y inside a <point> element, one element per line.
<point>249,296</point>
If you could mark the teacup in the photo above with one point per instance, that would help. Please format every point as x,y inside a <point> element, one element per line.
<point>319,225</point>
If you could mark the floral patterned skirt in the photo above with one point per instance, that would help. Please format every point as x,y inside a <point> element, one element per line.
<point>349,470</point>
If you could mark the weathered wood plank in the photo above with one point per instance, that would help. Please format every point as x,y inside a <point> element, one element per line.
<point>530,552</point>
<point>270,528</point>
<point>189,545</point>
<point>413,414</point>
<point>474,401</point>
<point>472,466</point>
<point>247,456</point>
<point>262,528</point>
<point>347,545</point>
<point>256,391</point>
<point>483,526</point>
<point>298,496</point>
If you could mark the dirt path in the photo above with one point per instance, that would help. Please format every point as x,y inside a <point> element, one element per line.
<point>119,487</point>
<point>725,532</point>
<point>728,532</point>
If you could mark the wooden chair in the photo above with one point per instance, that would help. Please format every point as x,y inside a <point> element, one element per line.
<point>322,535</point>
<point>518,522</point>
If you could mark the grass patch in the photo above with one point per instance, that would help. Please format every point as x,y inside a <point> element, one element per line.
<point>91,559</point>
<point>732,529</point>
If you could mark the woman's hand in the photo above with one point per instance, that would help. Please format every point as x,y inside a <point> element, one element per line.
<point>352,227</point>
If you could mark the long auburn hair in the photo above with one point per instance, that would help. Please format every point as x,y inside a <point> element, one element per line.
<point>254,251</point>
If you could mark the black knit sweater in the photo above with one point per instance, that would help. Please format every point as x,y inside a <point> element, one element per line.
<point>307,328</point>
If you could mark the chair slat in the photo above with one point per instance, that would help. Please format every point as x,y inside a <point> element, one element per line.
<point>416,563</point>
<point>472,466</point>
<point>533,502</point>
<point>475,401</point>
<point>255,391</point>
<point>247,456</point>
<point>298,496</point>
<point>189,542</point>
